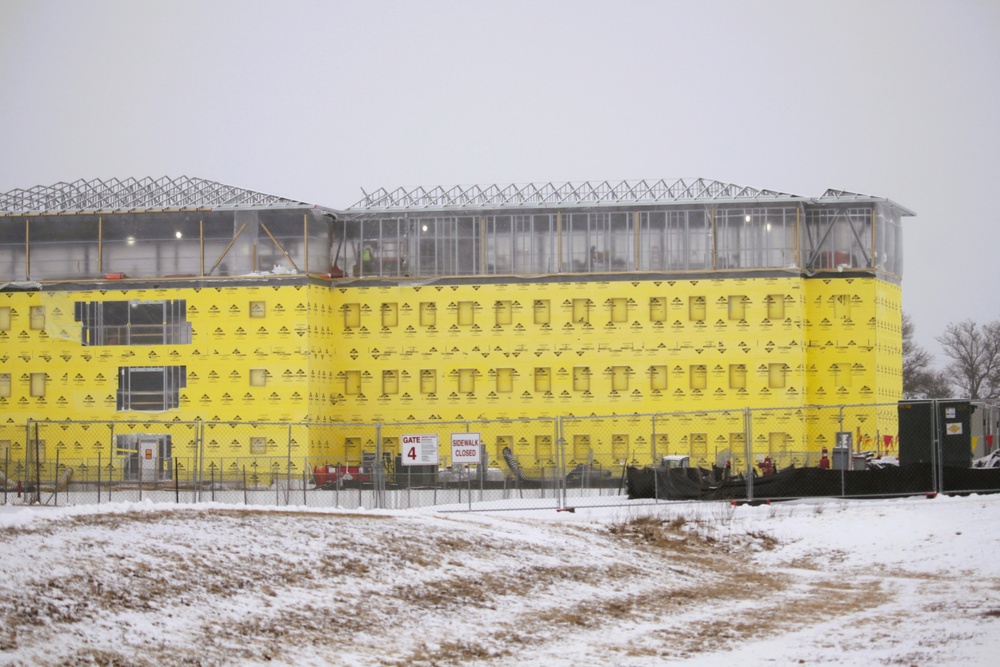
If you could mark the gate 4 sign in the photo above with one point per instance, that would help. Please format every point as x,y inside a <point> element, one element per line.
<point>420,450</point>
<point>465,447</point>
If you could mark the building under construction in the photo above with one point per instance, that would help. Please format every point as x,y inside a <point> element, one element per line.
<point>185,300</point>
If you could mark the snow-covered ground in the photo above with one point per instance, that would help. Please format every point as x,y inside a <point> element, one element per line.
<point>871,582</point>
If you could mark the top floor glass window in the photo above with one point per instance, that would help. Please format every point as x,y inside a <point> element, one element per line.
<point>755,238</point>
<point>839,238</point>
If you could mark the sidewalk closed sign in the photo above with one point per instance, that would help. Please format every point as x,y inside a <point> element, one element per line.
<point>465,448</point>
<point>420,450</point>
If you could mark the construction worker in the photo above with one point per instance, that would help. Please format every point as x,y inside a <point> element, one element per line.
<point>366,258</point>
<point>766,466</point>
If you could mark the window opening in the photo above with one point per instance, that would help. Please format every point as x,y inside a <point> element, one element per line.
<point>133,322</point>
<point>352,383</point>
<point>699,376</point>
<point>150,389</point>
<point>696,308</point>
<point>543,379</point>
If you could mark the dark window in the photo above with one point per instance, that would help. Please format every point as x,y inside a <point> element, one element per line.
<point>150,389</point>
<point>133,322</point>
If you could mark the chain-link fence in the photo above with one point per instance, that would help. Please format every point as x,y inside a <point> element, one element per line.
<point>570,461</point>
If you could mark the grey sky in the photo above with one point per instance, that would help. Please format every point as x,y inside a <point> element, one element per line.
<point>316,100</point>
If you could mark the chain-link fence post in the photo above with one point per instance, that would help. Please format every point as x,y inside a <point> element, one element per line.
<point>850,455</point>
<point>38,468</point>
<point>55,484</point>
<point>937,468</point>
<point>139,466</point>
<point>111,448</point>
<point>561,445</point>
<point>200,456</point>
<point>378,473</point>
<point>653,460</point>
<point>748,449</point>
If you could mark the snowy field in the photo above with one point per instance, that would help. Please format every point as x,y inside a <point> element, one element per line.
<point>876,582</point>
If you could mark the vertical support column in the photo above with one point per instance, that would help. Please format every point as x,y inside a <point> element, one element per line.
<point>874,258</point>
<point>100,244</point>
<point>715,243</point>
<point>27,249</point>
<point>797,237</point>
<point>637,243</point>
<point>482,246</point>
<point>201,247</point>
<point>559,247</point>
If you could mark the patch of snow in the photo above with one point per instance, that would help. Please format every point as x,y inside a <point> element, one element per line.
<point>837,582</point>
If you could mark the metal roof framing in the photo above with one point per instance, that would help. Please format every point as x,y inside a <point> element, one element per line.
<point>137,195</point>
<point>541,195</point>
<point>133,195</point>
<point>843,196</point>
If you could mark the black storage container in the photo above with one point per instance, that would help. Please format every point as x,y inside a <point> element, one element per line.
<point>953,429</point>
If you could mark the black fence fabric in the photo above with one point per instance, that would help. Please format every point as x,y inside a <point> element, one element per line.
<point>916,478</point>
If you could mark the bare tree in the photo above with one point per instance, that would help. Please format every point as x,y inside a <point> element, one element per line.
<point>974,351</point>
<point>920,378</point>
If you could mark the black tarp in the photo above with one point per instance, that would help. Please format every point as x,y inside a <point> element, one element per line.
<point>916,478</point>
<point>667,483</point>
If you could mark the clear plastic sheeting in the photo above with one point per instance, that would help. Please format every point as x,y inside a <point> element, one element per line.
<point>191,228</point>
<point>166,244</point>
<point>689,238</point>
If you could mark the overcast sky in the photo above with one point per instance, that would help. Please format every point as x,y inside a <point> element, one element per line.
<point>316,100</point>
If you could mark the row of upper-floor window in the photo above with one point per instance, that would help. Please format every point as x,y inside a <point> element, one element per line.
<point>619,378</point>
<point>118,322</point>
<point>141,388</point>
<point>157,388</point>
<point>103,325</point>
<point>582,310</point>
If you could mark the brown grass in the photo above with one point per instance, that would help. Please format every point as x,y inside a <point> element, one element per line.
<point>305,589</point>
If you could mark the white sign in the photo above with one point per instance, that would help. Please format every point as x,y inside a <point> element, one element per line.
<point>954,428</point>
<point>466,448</point>
<point>420,450</point>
